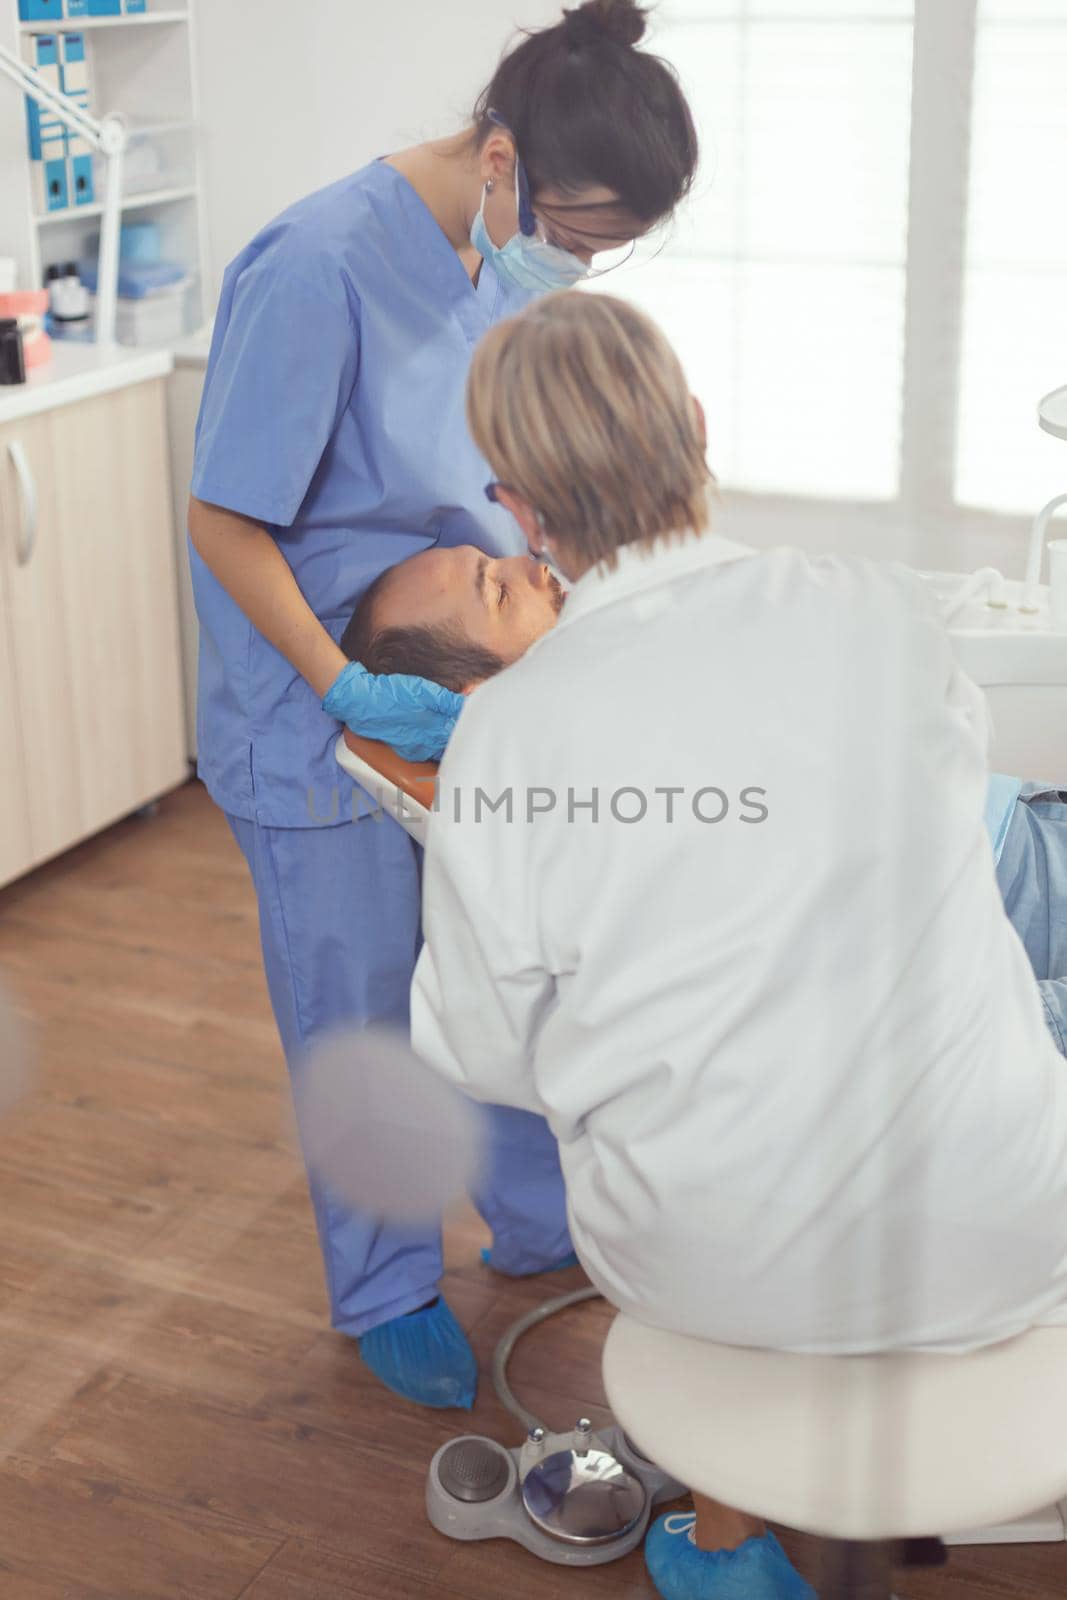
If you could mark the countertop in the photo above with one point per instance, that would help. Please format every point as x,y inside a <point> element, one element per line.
<point>193,350</point>
<point>78,372</point>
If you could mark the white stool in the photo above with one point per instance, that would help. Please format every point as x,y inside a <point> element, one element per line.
<point>860,1450</point>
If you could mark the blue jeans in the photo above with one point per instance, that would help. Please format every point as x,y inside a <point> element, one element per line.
<point>1032,875</point>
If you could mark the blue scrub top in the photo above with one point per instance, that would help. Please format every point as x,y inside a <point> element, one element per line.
<point>333,414</point>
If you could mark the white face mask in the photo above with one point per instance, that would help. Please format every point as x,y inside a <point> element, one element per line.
<point>526,261</point>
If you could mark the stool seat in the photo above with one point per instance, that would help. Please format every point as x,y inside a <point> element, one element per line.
<point>850,1447</point>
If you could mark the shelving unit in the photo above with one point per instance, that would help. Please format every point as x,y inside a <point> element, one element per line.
<point>88,24</point>
<point>144,66</point>
<point>133,202</point>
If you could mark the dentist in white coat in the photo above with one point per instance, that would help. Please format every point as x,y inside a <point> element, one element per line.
<point>711,890</point>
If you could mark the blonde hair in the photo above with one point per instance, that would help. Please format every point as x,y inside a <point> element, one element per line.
<point>580,405</point>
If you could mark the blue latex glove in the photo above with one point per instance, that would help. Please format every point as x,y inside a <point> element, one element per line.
<point>426,1357</point>
<point>758,1569</point>
<point>412,714</point>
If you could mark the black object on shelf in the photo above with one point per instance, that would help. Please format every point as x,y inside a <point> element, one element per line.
<point>12,356</point>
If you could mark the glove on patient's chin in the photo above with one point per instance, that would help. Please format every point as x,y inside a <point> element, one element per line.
<point>413,715</point>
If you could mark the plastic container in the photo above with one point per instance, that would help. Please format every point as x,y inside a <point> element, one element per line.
<point>69,306</point>
<point>154,319</point>
<point>141,242</point>
<point>136,279</point>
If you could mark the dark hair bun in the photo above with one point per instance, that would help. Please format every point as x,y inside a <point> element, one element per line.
<point>620,20</point>
<point>588,110</point>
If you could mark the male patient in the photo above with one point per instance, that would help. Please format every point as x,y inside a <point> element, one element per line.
<point>455,616</point>
<point>458,617</point>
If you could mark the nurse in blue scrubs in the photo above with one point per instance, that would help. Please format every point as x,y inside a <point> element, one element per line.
<point>332,444</point>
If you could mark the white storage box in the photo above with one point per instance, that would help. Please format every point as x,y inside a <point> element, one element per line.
<point>156,318</point>
<point>153,319</point>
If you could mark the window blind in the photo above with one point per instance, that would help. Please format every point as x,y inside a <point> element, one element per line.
<point>1014,346</point>
<point>783,284</point>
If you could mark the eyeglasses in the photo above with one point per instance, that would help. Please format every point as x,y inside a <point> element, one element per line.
<point>530,224</point>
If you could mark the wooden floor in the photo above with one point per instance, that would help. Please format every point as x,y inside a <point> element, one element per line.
<point>177,1420</point>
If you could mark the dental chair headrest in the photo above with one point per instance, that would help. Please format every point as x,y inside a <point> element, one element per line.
<point>415,778</point>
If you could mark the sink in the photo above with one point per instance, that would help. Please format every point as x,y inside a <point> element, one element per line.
<point>1021,663</point>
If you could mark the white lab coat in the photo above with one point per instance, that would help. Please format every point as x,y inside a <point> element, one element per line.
<point>797,1066</point>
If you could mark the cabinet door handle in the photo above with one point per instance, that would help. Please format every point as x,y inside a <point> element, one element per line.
<point>28,494</point>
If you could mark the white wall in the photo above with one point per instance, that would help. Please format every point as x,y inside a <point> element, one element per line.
<point>294,95</point>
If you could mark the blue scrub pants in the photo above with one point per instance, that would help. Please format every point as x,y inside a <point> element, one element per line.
<point>1032,875</point>
<point>339,917</point>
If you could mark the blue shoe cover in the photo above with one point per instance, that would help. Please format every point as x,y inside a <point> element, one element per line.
<point>557,1266</point>
<point>425,1357</point>
<point>758,1569</point>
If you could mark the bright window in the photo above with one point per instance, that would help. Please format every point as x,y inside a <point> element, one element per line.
<point>783,287</point>
<point>861,332</point>
<point>1015,289</point>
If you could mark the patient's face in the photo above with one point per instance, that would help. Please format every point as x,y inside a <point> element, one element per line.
<point>502,603</point>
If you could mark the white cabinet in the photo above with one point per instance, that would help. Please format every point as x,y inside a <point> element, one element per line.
<point>91,703</point>
<point>184,390</point>
<point>15,849</point>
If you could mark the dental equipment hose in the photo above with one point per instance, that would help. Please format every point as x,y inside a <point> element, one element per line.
<point>505,1348</point>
